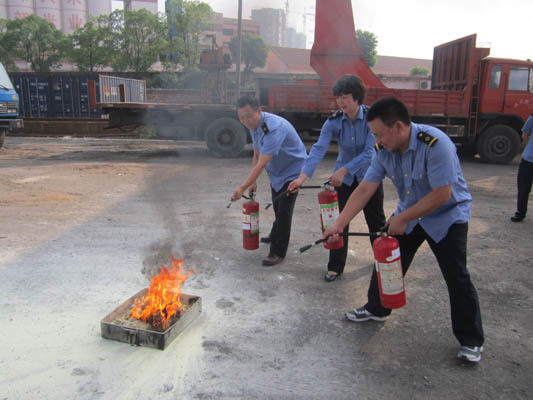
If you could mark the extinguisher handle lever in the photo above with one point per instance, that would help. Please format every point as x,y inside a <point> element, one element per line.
<point>279,196</point>
<point>307,247</point>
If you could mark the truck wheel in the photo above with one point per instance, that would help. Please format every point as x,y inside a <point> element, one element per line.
<point>225,137</point>
<point>2,137</point>
<point>499,144</point>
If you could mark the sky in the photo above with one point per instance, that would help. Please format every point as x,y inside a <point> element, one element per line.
<point>411,28</point>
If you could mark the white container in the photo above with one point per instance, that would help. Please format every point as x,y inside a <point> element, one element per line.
<point>49,10</point>
<point>73,19</point>
<point>3,9</point>
<point>98,7</point>
<point>19,8</point>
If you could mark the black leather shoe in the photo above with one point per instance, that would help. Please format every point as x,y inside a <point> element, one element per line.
<point>266,239</point>
<point>517,218</point>
<point>272,259</point>
<point>329,277</point>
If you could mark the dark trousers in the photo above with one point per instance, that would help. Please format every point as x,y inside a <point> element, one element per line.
<point>281,228</point>
<point>374,216</point>
<point>451,257</point>
<point>524,181</point>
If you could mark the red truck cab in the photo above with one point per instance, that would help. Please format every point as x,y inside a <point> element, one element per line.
<point>507,87</point>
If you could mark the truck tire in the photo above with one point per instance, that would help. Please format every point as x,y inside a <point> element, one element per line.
<point>499,144</point>
<point>2,137</point>
<point>225,137</point>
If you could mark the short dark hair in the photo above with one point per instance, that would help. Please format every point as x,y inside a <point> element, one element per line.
<point>248,100</point>
<point>389,110</point>
<point>350,84</point>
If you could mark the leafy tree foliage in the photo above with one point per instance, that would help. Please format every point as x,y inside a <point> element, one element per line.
<point>368,43</point>
<point>6,47</point>
<point>88,51</point>
<point>254,52</point>
<point>37,41</point>
<point>187,20</point>
<point>136,39</point>
<point>418,71</point>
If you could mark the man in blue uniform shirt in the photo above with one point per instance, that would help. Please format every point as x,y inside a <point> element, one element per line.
<point>279,150</point>
<point>356,149</point>
<point>525,173</point>
<point>434,206</point>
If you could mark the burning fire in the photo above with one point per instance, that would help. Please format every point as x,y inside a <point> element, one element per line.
<point>162,301</point>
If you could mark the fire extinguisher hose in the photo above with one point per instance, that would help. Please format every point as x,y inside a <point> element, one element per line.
<point>307,247</point>
<point>279,196</point>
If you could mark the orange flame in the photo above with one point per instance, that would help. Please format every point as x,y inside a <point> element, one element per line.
<point>162,301</point>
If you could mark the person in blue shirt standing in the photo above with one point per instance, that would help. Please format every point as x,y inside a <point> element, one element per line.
<point>279,150</point>
<point>434,206</point>
<point>525,173</point>
<point>356,149</point>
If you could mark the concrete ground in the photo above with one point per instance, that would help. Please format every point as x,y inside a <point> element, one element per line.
<point>85,224</point>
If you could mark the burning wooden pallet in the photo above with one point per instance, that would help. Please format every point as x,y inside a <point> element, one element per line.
<point>155,316</point>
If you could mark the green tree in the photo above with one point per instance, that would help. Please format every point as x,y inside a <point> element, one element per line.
<point>418,71</point>
<point>88,51</point>
<point>135,39</point>
<point>6,47</point>
<point>187,20</point>
<point>254,52</point>
<point>368,43</point>
<point>36,41</point>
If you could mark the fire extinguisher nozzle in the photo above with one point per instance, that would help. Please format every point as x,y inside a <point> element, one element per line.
<point>305,248</point>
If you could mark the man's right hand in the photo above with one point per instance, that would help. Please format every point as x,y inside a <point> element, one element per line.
<point>295,185</point>
<point>333,232</point>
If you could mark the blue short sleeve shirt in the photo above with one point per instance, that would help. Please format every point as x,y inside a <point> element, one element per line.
<point>420,169</point>
<point>356,146</point>
<point>275,136</point>
<point>527,154</point>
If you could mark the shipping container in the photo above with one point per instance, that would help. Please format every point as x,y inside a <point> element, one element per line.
<point>55,95</point>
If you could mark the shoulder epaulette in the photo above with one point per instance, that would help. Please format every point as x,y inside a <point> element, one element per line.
<point>336,114</point>
<point>265,128</point>
<point>379,147</point>
<point>426,138</point>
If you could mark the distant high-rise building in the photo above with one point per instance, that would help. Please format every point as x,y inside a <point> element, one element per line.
<point>272,25</point>
<point>134,5</point>
<point>295,39</point>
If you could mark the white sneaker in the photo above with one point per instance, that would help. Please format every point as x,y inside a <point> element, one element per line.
<point>470,353</point>
<point>361,314</point>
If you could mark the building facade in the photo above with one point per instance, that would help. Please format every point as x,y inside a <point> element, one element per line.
<point>67,15</point>
<point>272,25</point>
<point>134,5</point>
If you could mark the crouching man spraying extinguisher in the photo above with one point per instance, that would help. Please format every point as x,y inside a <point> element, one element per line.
<point>279,150</point>
<point>434,206</point>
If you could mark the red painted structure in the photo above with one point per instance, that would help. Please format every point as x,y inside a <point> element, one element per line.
<point>335,51</point>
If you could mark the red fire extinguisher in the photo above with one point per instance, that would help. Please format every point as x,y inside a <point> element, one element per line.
<point>250,225</point>
<point>389,272</point>
<point>329,212</point>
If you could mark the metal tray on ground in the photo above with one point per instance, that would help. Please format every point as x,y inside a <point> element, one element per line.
<point>118,326</point>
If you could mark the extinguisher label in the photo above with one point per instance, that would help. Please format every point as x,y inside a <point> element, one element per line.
<point>251,222</point>
<point>254,222</point>
<point>391,277</point>
<point>329,213</point>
